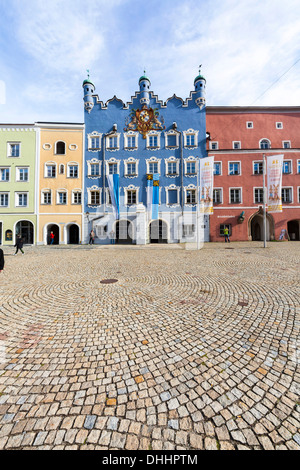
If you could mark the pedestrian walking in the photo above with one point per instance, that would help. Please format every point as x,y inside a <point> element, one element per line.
<point>226,235</point>
<point>92,237</point>
<point>52,238</point>
<point>1,260</point>
<point>19,245</point>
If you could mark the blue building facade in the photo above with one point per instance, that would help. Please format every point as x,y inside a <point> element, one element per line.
<point>141,165</point>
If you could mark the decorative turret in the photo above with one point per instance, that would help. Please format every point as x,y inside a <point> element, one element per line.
<point>200,85</point>
<point>89,89</point>
<point>144,84</point>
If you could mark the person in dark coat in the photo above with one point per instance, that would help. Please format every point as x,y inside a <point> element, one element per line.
<point>19,245</point>
<point>1,260</point>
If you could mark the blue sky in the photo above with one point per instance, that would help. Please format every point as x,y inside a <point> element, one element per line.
<point>46,48</point>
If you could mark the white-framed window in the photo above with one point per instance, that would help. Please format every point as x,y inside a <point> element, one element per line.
<point>236,144</point>
<point>172,195</point>
<point>213,145</point>
<point>4,199</point>
<point>131,140</point>
<point>298,167</point>
<point>249,125</point>
<point>258,195</point>
<point>73,170</point>
<point>190,194</point>
<point>131,195</point>
<point>94,141</point>
<point>22,174</point>
<point>61,197</point>
<point>234,168</point>
<point>172,166</point>
<point>188,230</point>
<point>258,168</point>
<point>113,142</point>
<point>14,149</point>
<point>264,144</point>
<point>94,169</point>
<point>190,166</point>
<point>190,138</point>
<point>77,196</point>
<point>60,148</point>
<point>94,196</point>
<point>153,165</point>
<point>46,197</point>
<point>235,195</point>
<point>112,166</point>
<point>50,170</point>
<point>217,195</point>
<point>171,139</point>
<point>287,195</point>
<point>131,168</point>
<point>279,125</point>
<point>286,144</point>
<point>299,194</point>
<point>153,140</point>
<point>21,199</point>
<point>217,168</point>
<point>61,169</point>
<point>287,167</point>
<point>4,174</point>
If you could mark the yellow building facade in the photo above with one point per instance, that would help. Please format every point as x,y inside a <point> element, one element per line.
<point>60,183</point>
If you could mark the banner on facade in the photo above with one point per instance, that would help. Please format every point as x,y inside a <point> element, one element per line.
<point>206,185</point>
<point>274,183</point>
<point>113,185</point>
<point>149,194</point>
<point>155,202</point>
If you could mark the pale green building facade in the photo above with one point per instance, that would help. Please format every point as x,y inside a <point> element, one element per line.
<point>18,163</point>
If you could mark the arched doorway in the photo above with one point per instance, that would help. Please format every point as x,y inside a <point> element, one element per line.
<point>256,227</point>
<point>123,232</point>
<point>293,228</point>
<point>25,229</point>
<point>55,229</point>
<point>158,231</point>
<point>73,238</point>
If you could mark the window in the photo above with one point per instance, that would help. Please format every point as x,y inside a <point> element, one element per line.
<point>60,148</point>
<point>298,167</point>
<point>299,194</point>
<point>235,196</point>
<point>217,196</point>
<point>249,125</point>
<point>236,145</point>
<point>4,174</point>
<point>95,143</point>
<point>190,168</point>
<point>153,168</point>
<point>46,197</point>
<point>188,230</point>
<point>95,197</point>
<point>217,168</point>
<point>62,197</point>
<point>50,171</point>
<point>21,199</point>
<point>171,139</point>
<point>131,169</point>
<point>113,168</point>
<point>172,196</point>
<point>171,168</point>
<point>113,142</point>
<point>191,196</point>
<point>286,194</point>
<point>279,125</point>
<point>222,227</point>
<point>286,144</point>
<point>3,199</point>
<point>62,169</point>
<point>258,195</point>
<point>214,145</point>
<point>14,149</point>
<point>265,144</point>
<point>130,141</point>
<point>287,167</point>
<point>76,197</point>
<point>73,171</point>
<point>234,168</point>
<point>153,141</point>
<point>22,174</point>
<point>258,168</point>
<point>190,138</point>
<point>131,196</point>
<point>94,169</point>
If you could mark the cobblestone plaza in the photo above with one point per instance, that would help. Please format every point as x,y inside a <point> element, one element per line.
<point>151,348</point>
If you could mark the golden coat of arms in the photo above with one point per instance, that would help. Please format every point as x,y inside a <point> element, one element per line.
<point>144,120</point>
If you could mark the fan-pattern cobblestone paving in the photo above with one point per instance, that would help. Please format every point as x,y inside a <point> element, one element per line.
<point>184,350</point>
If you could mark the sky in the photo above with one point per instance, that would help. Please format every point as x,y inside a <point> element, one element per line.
<point>249,51</point>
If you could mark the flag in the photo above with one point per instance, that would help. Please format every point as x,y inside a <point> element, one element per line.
<point>113,185</point>
<point>274,183</point>
<point>155,201</point>
<point>206,185</point>
<point>149,194</point>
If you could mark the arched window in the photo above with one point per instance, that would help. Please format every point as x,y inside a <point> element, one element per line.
<point>60,148</point>
<point>265,144</point>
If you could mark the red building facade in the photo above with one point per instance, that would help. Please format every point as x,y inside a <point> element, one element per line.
<point>238,138</point>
